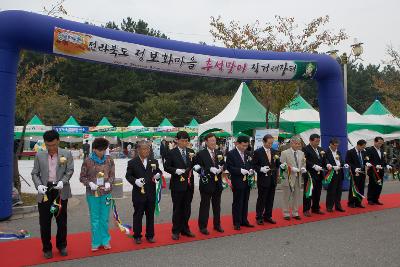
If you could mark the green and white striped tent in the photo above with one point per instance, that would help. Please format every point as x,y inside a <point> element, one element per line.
<point>34,129</point>
<point>135,124</point>
<point>71,122</point>
<point>242,114</point>
<point>380,115</point>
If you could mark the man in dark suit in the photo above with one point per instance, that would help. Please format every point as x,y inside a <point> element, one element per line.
<point>179,163</point>
<point>315,159</point>
<point>238,163</point>
<point>334,161</point>
<point>142,173</point>
<point>357,158</point>
<point>377,161</point>
<point>266,164</point>
<point>209,164</point>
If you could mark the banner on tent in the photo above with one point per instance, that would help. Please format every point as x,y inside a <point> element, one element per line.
<point>91,47</point>
<point>75,130</point>
<point>32,128</point>
<point>260,133</point>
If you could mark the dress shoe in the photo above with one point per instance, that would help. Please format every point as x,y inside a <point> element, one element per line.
<point>188,234</point>
<point>236,227</point>
<point>151,240</point>
<point>371,203</point>
<point>95,249</point>
<point>297,217</point>
<point>352,205</point>
<point>175,236</point>
<point>63,252</point>
<point>360,206</point>
<point>378,202</point>
<point>48,254</point>
<point>318,212</point>
<point>204,231</point>
<point>269,220</point>
<point>287,218</point>
<point>329,210</point>
<point>307,213</point>
<point>260,222</point>
<point>340,209</point>
<point>219,229</point>
<point>138,241</point>
<point>248,225</point>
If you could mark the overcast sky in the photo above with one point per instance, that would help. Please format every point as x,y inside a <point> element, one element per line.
<point>373,22</point>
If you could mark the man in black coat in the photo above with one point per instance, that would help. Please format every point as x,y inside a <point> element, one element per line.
<point>238,163</point>
<point>266,164</point>
<point>143,172</point>
<point>315,159</point>
<point>334,161</point>
<point>357,158</point>
<point>210,164</point>
<point>377,162</point>
<point>179,163</point>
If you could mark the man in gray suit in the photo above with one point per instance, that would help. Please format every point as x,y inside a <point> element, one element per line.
<point>51,172</point>
<point>293,163</point>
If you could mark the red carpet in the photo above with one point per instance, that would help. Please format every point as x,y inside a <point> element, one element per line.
<point>28,252</point>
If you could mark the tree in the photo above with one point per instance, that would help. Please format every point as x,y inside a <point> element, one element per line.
<point>283,34</point>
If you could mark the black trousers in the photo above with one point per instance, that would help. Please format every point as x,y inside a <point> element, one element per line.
<point>265,202</point>
<point>359,181</point>
<point>312,202</point>
<point>374,189</point>
<point>334,192</point>
<point>240,205</point>
<point>45,218</point>
<point>182,205</point>
<point>140,208</point>
<point>215,199</point>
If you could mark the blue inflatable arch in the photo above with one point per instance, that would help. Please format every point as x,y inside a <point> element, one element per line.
<point>23,30</point>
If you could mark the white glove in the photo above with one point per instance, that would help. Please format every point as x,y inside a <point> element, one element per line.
<point>294,169</point>
<point>180,171</point>
<point>303,170</point>
<point>317,168</point>
<point>283,165</point>
<point>59,185</point>
<point>264,169</point>
<point>388,167</point>
<point>196,167</point>
<point>379,167</point>
<point>93,186</point>
<point>358,169</point>
<point>368,164</point>
<point>244,172</point>
<point>139,182</point>
<point>157,176</point>
<point>214,170</point>
<point>329,166</point>
<point>219,171</point>
<point>346,166</point>
<point>42,189</point>
<point>336,168</point>
<point>107,186</point>
<point>251,171</point>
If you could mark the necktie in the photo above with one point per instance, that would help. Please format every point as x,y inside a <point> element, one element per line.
<point>213,156</point>
<point>269,155</point>
<point>316,151</point>
<point>184,156</point>
<point>295,159</point>
<point>360,158</point>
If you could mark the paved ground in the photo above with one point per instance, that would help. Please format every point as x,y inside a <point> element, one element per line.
<point>364,240</point>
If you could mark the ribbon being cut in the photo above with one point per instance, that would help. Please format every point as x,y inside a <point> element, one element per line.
<point>354,189</point>
<point>328,177</point>
<point>309,187</point>
<point>377,179</point>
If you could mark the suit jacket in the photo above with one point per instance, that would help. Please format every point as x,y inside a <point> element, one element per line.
<point>260,159</point>
<point>234,163</point>
<point>175,161</point>
<point>136,170</point>
<point>374,159</point>
<point>287,156</point>
<point>203,158</point>
<point>312,159</point>
<point>64,171</point>
<point>331,160</point>
<point>354,162</point>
